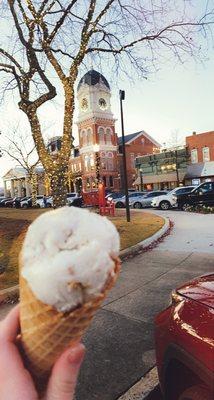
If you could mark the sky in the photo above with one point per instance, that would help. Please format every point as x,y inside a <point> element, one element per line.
<point>176,98</point>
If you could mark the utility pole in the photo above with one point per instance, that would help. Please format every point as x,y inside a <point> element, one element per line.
<point>122,97</point>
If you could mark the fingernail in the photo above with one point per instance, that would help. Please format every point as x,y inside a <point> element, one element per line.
<point>76,354</point>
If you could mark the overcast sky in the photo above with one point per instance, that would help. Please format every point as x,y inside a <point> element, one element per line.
<point>178,97</point>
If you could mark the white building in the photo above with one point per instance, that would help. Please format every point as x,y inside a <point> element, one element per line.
<point>16,182</point>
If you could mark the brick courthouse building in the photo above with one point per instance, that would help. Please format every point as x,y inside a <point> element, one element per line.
<point>98,139</point>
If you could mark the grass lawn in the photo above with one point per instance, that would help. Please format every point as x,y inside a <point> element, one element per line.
<point>14,224</point>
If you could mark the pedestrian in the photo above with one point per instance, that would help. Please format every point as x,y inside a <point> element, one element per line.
<point>16,382</point>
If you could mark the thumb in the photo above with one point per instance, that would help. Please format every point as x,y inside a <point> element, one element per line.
<point>65,372</point>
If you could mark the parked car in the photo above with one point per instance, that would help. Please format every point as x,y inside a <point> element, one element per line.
<point>75,201</point>
<point>114,195</point>
<point>71,197</point>
<point>121,201</point>
<point>27,202</point>
<point>2,202</point>
<point>9,203</point>
<point>201,195</point>
<point>168,201</point>
<point>17,201</point>
<point>146,199</point>
<point>184,339</point>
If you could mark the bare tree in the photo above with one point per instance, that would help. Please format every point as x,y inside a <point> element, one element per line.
<point>175,139</point>
<point>20,149</point>
<point>53,39</point>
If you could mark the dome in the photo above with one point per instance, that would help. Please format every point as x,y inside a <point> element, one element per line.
<point>91,78</point>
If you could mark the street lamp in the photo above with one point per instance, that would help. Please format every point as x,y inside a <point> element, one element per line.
<point>96,148</point>
<point>122,97</point>
<point>141,178</point>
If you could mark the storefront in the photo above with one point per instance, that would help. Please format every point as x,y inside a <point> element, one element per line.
<point>165,170</point>
<point>199,173</point>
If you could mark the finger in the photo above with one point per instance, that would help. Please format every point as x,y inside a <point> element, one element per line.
<point>63,379</point>
<point>9,327</point>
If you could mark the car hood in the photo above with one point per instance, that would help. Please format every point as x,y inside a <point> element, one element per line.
<point>200,289</point>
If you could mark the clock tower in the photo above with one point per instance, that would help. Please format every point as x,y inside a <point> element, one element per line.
<point>96,127</point>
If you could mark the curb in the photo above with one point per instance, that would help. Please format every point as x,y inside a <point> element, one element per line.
<point>11,295</point>
<point>143,387</point>
<point>150,243</point>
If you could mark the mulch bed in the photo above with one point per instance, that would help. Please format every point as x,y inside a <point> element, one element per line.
<point>12,233</point>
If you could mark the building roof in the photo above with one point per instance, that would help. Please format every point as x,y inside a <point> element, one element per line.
<point>91,78</point>
<point>20,172</point>
<point>129,138</point>
<point>200,170</point>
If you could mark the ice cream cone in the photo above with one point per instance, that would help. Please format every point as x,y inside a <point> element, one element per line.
<point>46,332</point>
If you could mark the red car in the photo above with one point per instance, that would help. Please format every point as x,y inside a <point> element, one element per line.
<point>184,335</point>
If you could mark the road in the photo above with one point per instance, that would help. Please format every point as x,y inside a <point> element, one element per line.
<point>192,232</point>
<point>120,344</point>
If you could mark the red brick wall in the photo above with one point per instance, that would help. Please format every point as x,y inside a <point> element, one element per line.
<point>138,148</point>
<point>199,141</point>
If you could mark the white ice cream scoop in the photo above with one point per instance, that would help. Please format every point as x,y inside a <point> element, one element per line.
<point>67,256</point>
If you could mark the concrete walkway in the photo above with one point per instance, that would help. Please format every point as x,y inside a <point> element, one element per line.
<point>120,344</point>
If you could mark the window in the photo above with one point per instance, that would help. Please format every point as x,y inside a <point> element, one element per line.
<point>103,164</point>
<point>87,163</point>
<point>92,160</point>
<point>108,136</point>
<point>206,187</point>
<point>194,156</point>
<point>84,138</point>
<point>111,184</point>
<point>89,137</point>
<point>206,154</point>
<point>110,164</point>
<point>101,135</point>
<point>132,158</point>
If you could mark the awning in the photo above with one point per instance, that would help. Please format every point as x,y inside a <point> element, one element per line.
<point>200,170</point>
<point>170,177</point>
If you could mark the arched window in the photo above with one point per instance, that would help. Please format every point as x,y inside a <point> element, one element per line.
<point>110,154</point>
<point>108,136</point>
<point>101,135</point>
<point>84,138</point>
<point>89,136</point>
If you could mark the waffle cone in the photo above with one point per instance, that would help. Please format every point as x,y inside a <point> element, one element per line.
<point>45,332</point>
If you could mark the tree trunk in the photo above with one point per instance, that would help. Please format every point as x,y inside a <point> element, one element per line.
<point>33,181</point>
<point>58,183</point>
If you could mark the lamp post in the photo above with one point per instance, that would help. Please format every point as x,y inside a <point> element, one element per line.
<point>122,97</point>
<point>141,179</point>
<point>97,163</point>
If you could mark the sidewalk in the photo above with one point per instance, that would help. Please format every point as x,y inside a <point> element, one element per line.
<point>120,345</point>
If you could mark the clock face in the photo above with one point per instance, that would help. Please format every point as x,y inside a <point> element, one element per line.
<point>84,104</point>
<point>102,104</point>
